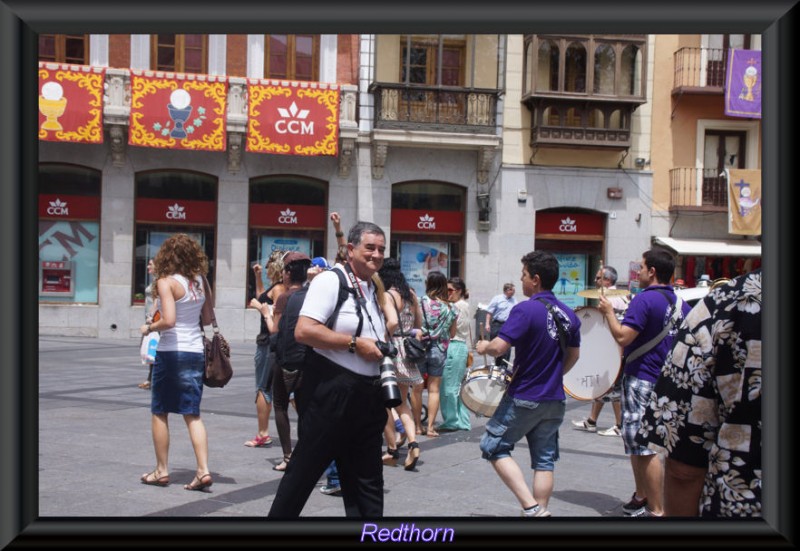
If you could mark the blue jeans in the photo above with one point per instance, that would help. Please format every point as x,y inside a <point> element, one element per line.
<point>538,422</point>
<point>333,474</point>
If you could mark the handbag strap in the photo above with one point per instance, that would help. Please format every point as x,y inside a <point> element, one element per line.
<point>675,314</point>
<point>208,307</point>
<point>399,321</point>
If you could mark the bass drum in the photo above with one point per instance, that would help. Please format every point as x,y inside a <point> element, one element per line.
<point>600,361</point>
<point>483,388</point>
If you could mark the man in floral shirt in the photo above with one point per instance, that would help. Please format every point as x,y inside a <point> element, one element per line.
<point>706,406</point>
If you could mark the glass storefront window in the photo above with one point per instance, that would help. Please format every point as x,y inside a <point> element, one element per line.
<point>69,233</point>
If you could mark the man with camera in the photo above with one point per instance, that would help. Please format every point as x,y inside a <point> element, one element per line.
<point>345,401</point>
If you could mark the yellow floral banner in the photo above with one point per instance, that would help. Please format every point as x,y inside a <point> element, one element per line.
<point>70,103</point>
<point>177,111</point>
<point>294,118</point>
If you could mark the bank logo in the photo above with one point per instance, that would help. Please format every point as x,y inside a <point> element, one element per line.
<point>296,123</point>
<point>176,212</point>
<point>568,225</point>
<point>288,216</point>
<point>426,222</point>
<point>58,208</point>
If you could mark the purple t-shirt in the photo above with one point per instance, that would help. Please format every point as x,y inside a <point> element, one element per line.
<point>538,362</point>
<point>648,313</point>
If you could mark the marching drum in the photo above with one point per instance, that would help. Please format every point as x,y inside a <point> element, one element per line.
<point>483,387</point>
<point>594,373</point>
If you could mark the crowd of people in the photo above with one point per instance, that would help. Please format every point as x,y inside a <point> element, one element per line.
<point>688,389</point>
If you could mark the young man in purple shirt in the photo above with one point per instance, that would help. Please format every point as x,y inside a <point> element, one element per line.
<point>648,314</point>
<point>546,335</point>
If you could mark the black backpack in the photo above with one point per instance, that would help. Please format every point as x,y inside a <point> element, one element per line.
<point>290,354</point>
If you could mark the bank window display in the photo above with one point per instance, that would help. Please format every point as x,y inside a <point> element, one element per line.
<point>427,230</point>
<point>69,233</point>
<point>287,213</point>
<point>169,202</point>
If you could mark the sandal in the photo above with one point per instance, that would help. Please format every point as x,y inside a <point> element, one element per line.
<point>431,433</point>
<point>145,385</point>
<point>391,456</point>
<point>282,465</point>
<point>259,441</point>
<point>199,483</point>
<point>152,479</point>
<point>412,457</point>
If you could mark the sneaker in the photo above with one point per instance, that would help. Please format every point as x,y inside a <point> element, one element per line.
<point>329,490</point>
<point>613,431</point>
<point>584,424</point>
<point>644,512</point>
<point>635,506</point>
<point>536,511</point>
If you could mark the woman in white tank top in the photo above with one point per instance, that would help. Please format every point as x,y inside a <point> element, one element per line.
<point>177,382</point>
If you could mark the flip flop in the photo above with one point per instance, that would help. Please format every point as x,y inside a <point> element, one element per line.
<point>432,434</point>
<point>259,442</point>
<point>282,465</point>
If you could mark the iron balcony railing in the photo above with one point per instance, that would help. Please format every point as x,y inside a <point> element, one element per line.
<point>700,68</point>
<point>438,108</point>
<point>700,188</point>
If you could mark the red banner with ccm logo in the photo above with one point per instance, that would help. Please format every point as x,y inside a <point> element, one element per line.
<point>72,207</point>
<point>292,118</point>
<point>176,211</point>
<point>570,224</point>
<point>287,216</point>
<point>427,221</point>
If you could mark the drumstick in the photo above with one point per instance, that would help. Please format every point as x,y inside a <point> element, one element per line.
<point>602,287</point>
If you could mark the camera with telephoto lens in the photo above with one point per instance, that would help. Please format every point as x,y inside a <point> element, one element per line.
<point>389,389</point>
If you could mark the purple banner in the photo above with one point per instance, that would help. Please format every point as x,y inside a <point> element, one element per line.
<point>743,84</point>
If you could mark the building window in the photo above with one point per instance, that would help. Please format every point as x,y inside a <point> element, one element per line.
<point>547,67</point>
<point>605,65</point>
<point>64,48</point>
<point>69,233</point>
<point>180,53</point>
<point>421,59</point>
<point>575,65</point>
<point>292,57</point>
<point>169,202</point>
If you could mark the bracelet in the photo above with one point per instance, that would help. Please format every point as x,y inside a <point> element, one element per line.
<point>339,234</point>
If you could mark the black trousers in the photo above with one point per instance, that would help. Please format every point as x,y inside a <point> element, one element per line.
<point>343,420</point>
<point>494,329</point>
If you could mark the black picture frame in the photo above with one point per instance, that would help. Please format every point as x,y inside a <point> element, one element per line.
<point>21,20</point>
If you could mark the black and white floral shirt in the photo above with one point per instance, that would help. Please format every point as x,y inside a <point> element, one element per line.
<point>705,410</point>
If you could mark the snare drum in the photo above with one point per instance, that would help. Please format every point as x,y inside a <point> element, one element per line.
<point>483,388</point>
<point>600,361</point>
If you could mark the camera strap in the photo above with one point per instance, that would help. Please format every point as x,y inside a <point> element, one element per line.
<point>361,302</point>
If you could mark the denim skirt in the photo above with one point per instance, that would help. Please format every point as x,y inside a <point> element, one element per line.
<point>177,384</point>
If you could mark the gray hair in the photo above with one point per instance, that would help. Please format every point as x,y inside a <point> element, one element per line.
<point>359,229</point>
<point>610,273</point>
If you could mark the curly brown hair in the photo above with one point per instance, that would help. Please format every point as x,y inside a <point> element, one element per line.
<point>179,254</point>
<point>275,266</point>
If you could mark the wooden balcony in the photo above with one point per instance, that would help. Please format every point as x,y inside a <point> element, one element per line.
<point>698,189</point>
<point>699,71</point>
<point>435,108</point>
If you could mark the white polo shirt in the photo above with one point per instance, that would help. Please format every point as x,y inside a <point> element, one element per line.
<point>319,305</point>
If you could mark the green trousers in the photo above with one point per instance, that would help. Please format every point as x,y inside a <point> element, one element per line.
<point>455,414</point>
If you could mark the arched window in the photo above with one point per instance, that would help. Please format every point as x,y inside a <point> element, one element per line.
<point>605,61</point>
<point>547,68</point>
<point>575,70</point>
<point>615,121</point>
<point>596,119</point>
<point>551,117</point>
<point>573,117</point>
<point>631,80</point>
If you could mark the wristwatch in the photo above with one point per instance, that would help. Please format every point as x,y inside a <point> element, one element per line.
<point>352,347</point>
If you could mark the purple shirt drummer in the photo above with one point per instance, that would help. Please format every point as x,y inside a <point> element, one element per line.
<point>639,316</point>
<point>538,363</point>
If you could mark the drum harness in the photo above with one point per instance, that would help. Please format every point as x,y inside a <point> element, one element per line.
<point>677,308</point>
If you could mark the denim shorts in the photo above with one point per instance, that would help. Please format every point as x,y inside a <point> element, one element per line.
<point>434,362</point>
<point>635,396</point>
<point>263,360</point>
<point>538,422</point>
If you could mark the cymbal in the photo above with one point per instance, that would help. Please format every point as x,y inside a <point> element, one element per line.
<point>595,293</point>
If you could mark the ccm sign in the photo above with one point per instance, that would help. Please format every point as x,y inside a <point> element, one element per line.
<point>407,220</point>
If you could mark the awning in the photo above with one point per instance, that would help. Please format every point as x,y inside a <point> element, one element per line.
<point>711,247</point>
